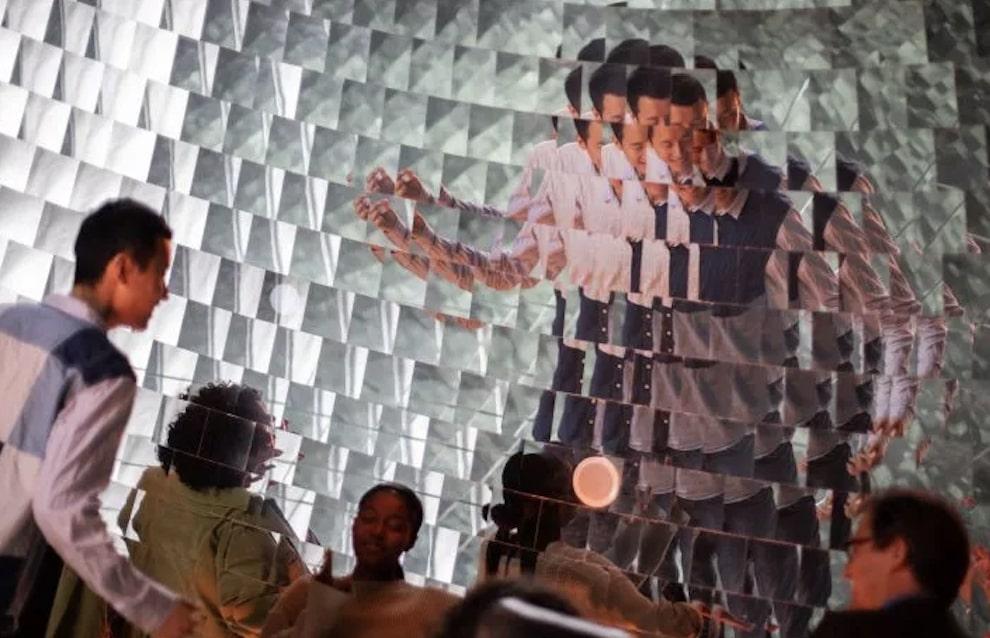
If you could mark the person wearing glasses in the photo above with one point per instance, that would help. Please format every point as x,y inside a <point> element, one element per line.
<point>907,560</point>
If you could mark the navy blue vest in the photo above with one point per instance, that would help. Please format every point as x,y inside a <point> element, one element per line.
<point>733,272</point>
<point>757,174</point>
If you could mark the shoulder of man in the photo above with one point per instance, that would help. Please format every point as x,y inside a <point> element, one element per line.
<point>759,174</point>
<point>851,624</point>
<point>89,351</point>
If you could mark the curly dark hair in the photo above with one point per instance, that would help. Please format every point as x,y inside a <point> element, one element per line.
<point>212,443</point>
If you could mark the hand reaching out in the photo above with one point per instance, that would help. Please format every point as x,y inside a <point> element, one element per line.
<point>409,185</point>
<point>384,217</point>
<point>379,182</point>
<point>868,458</point>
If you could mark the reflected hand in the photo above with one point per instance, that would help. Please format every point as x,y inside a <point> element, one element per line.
<point>421,230</point>
<point>362,206</point>
<point>463,322</point>
<point>410,186</point>
<point>824,510</point>
<point>378,181</point>
<point>892,427</point>
<point>378,252</point>
<point>854,504</point>
<point>868,458</point>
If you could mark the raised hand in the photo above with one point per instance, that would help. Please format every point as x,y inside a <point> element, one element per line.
<point>409,185</point>
<point>378,181</point>
<point>383,216</point>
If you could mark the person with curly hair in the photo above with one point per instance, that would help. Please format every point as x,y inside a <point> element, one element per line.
<point>192,524</point>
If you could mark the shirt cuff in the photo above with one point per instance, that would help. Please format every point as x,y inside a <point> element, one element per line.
<point>150,611</point>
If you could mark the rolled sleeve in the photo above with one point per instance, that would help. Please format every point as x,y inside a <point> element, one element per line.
<point>76,469</point>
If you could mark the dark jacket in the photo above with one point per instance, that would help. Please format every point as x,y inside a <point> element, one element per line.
<point>911,618</point>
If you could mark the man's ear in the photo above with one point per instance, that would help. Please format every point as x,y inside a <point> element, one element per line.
<point>119,268</point>
<point>899,551</point>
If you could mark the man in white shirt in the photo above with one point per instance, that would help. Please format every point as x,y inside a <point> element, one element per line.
<point>68,396</point>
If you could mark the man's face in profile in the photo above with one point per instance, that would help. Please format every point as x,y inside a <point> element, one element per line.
<point>650,111</point>
<point>613,108</point>
<point>869,568</point>
<point>693,116</point>
<point>673,145</point>
<point>634,147</point>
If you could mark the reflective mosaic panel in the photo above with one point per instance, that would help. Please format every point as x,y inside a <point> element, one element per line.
<point>734,247</point>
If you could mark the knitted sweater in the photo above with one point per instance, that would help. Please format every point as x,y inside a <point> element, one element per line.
<point>393,609</point>
<point>602,590</point>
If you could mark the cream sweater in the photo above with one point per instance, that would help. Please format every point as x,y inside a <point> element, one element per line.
<point>602,591</point>
<point>310,609</point>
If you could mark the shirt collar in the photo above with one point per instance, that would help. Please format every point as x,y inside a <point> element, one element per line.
<point>706,206</point>
<point>725,165</point>
<point>735,207</point>
<point>77,308</point>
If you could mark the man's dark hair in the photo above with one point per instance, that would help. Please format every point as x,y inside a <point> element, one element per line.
<point>704,62</point>
<point>686,90</point>
<point>632,51</point>
<point>936,539</point>
<point>647,82</point>
<point>617,129</point>
<point>121,225</point>
<point>572,87</point>
<point>211,442</point>
<point>666,57</point>
<point>607,79</point>
<point>593,51</point>
<point>725,80</point>
<point>464,620</point>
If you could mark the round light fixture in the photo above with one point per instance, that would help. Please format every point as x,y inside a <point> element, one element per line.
<point>596,481</point>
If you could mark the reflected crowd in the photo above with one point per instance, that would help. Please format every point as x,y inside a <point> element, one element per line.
<point>735,346</point>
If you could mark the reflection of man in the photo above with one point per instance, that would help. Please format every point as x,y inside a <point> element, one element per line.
<point>907,559</point>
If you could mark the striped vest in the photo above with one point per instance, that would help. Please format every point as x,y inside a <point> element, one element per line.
<point>46,356</point>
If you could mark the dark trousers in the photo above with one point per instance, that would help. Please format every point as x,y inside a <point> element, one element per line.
<point>829,472</point>
<point>643,527</point>
<point>32,620</point>
<point>797,574</point>
<point>806,577</point>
